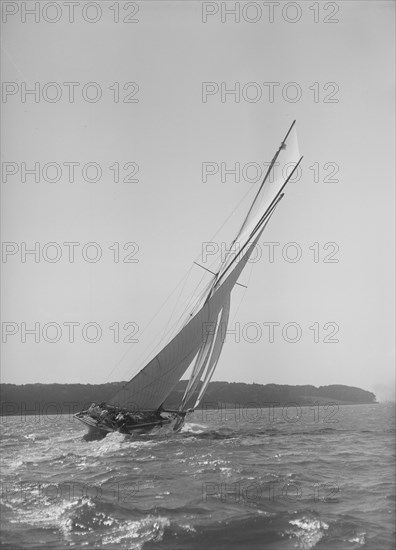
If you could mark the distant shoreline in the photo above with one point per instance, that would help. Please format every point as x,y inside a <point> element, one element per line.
<point>220,408</point>
<point>50,399</point>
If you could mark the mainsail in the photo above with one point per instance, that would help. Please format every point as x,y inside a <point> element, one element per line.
<point>199,342</point>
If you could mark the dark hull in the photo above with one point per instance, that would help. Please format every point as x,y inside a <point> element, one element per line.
<point>98,429</point>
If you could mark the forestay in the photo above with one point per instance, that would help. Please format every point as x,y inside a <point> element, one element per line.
<point>202,337</point>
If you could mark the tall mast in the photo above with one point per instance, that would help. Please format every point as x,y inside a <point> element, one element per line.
<point>281,146</point>
<point>153,383</point>
<point>267,213</point>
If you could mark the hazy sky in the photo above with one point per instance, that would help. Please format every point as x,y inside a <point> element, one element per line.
<point>343,69</point>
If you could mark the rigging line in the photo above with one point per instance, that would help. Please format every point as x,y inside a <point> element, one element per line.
<point>196,296</point>
<point>186,275</point>
<point>206,269</point>
<point>236,311</point>
<point>263,222</point>
<point>219,328</point>
<point>158,377</point>
<point>267,213</point>
<point>144,359</point>
<point>213,273</point>
<point>195,299</point>
<point>243,294</point>
<point>142,362</point>
<point>222,225</point>
<point>228,217</point>
<point>229,251</point>
<point>174,309</point>
<point>15,65</point>
<point>172,330</point>
<point>198,302</point>
<point>281,146</point>
<point>155,379</point>
<point>252,187</point>
<point>275,200</point>
<point>194,303</point>
<point>167,336</point>
<point>211,284</point>
<point>216,263</point>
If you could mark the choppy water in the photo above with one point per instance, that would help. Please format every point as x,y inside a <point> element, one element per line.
<point>251,482</point>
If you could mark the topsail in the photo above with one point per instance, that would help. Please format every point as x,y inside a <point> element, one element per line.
<point>199,342</point>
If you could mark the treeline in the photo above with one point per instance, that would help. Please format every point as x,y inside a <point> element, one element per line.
<point>231,392</point>
<point>70,398</point>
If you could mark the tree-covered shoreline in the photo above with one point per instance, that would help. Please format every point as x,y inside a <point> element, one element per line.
<point>31,399</point>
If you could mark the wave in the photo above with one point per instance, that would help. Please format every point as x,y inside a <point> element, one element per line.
<point>205,487</point>
<point>228,433</point>
<point>85,519</point>
<point>308,531</point>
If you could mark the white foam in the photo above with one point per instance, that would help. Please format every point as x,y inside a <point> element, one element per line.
<point>359,538</point>
<point>195,428</point>
<point>137,533</point>
<point>309,533</point>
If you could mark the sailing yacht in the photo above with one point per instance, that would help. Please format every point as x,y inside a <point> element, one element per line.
<point>139,405</point>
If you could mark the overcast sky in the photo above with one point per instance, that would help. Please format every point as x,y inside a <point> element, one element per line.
<point>332,70</point>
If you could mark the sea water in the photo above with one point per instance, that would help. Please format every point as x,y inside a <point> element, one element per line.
<point>313,477</point>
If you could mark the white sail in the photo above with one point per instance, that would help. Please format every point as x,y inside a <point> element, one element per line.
<point>212,349</point>
<point>199,368</point>
<point>285,160</point>
<point>152,384</point>
<point>150,387</point>
<point>218,346</point>
<point>218,337</point>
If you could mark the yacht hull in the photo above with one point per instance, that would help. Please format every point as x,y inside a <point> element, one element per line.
<point>99,430</point>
